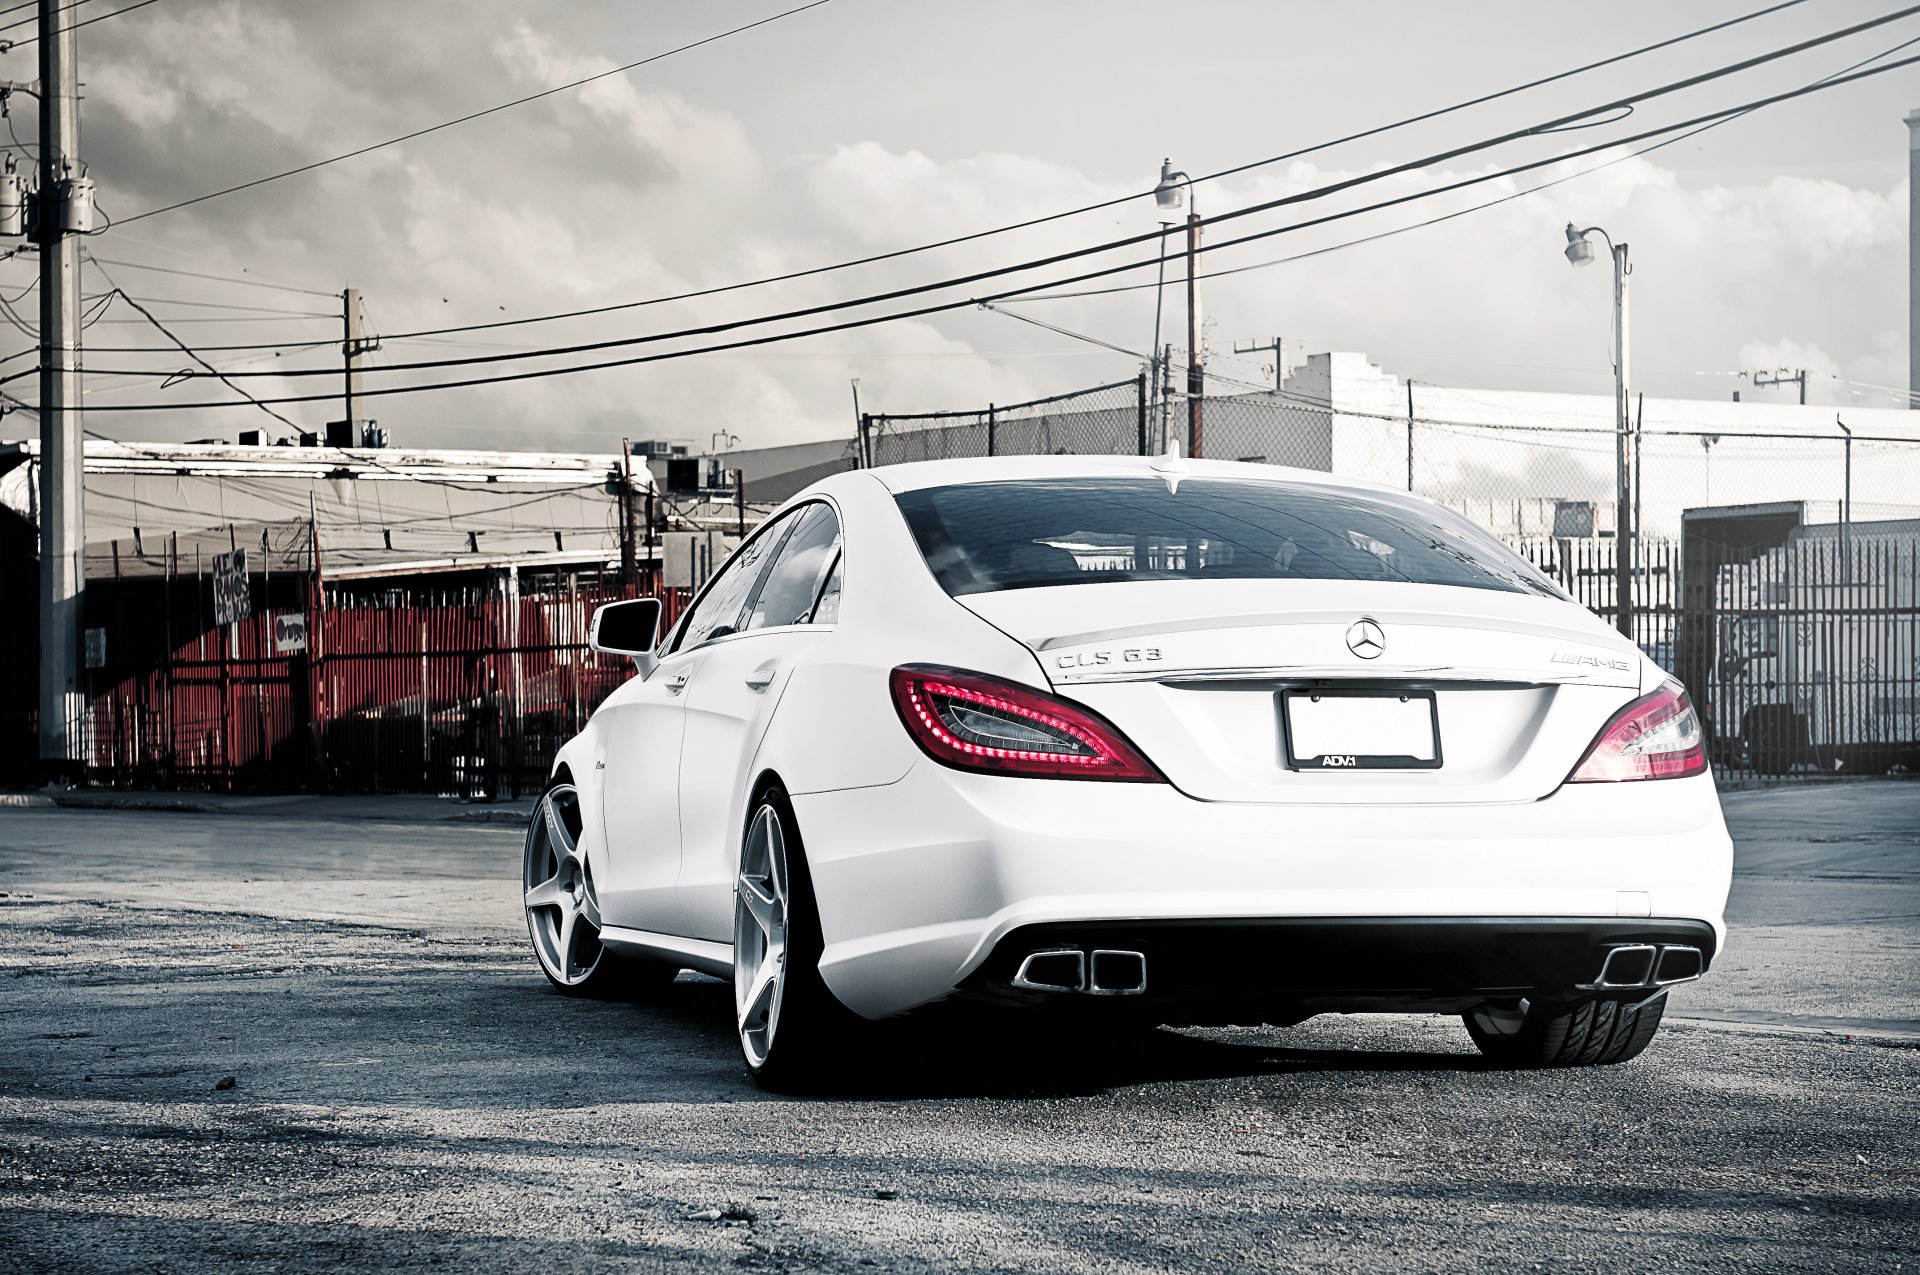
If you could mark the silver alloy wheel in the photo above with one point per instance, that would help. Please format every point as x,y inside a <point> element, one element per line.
<point>563,915</point>
<point>760,934</point>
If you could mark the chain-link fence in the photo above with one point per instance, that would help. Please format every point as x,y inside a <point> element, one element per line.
<point>1106,420</point>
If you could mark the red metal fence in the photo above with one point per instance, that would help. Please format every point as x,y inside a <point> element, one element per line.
<point>464,688</point>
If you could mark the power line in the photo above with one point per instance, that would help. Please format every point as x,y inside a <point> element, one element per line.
<point>218,278</point>
<point>951,305</point>
<point>262,319</point>
<point>137,4</point>
<point>434,128</point>
<point>926,310</point>
<point>247,309</point>
<point>1072,212</point>
<point>1491,203</point>
<point>189,350</point>
<point>27,22</point>
<point>901,293</point>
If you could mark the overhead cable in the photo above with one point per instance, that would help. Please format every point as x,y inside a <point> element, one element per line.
<point>137,4</point>
<point>1462,212</point>
<point>1071,212</point>
<point>189,351</point>
<point>474,115</point>
<point>939,307</point>
<point>979,276</point>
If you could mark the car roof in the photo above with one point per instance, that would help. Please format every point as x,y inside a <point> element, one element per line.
<point>917,475</point>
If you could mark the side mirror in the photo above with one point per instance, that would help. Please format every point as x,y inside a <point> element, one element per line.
<point>627,628</point>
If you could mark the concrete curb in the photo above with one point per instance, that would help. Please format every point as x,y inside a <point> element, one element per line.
<point>404,809</point>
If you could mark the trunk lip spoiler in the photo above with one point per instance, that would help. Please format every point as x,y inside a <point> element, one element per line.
<point>1452,677</point>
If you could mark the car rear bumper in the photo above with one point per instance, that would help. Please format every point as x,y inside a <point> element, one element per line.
<point>1209,969</point>
<point>945,880</point>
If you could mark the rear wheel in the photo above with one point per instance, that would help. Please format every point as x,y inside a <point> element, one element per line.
<point>788,1022</point>
<point>1583,1033</point>
<point>563,910</point>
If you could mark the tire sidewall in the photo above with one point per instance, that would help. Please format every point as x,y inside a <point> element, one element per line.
<point>808,1010</point>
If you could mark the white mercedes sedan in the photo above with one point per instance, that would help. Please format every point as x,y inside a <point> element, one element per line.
<point>1192,741</point>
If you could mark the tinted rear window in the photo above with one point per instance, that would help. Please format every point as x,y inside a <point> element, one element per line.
<point>1037,532</point>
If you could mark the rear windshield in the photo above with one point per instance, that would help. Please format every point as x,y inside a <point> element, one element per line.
<point>1033,533</point>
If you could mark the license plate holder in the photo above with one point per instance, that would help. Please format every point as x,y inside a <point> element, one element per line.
<point>1354,729</point>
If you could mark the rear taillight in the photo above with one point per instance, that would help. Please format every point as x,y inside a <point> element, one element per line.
<point>1655,737</point>
<point>974,722</point>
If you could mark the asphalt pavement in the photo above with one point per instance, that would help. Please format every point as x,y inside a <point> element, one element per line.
<point>306,1038</point>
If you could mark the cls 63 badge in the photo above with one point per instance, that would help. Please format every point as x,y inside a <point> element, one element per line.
<point>1120,655</point>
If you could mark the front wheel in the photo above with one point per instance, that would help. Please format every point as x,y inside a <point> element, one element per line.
<point>1583,1033</point>
<point>788,1022</point>
<point>563,909</point>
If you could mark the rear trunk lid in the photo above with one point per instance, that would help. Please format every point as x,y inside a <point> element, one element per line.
<point>1195,672</point>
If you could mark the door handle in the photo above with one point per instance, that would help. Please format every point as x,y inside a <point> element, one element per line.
<point>761,678</point>
<point>676,683</point>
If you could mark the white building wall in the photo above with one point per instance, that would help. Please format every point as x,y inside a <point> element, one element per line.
<point>1509,457</point>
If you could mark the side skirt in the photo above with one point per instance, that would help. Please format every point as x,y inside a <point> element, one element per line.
<point>694,954</point>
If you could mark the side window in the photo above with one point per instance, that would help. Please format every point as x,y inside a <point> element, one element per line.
<point>719,612</point>
<point>793,581</point>
<point>827,610</point>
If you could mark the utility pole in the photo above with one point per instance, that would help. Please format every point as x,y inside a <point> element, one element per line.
<point>1160,368</point>
<point>352,345</point>
<point>1846,498</point>
<point>629,564</point>
<point>1781,377</point>
<point>863,456</point>
<point>1279,347</point>
<point>1196,354</point>
<point>1624,533</point>
<point>1409,435</point>
<point>65,207</point>
<point>1166,395</point>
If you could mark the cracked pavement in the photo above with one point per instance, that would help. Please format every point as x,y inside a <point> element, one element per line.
<point>407,1092</point>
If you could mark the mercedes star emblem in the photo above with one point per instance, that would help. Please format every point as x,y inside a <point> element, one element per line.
<point>1365,639</point>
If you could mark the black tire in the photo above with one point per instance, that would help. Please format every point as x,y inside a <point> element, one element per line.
<point>622,978</point>
<point>814,1033</point>
<point>1598,1031</point>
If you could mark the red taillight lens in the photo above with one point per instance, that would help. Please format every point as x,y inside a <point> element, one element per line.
<point>1655,737</point>
<point>974,722</point>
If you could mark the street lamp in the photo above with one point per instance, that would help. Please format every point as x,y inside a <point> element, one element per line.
<point>1579,252</point>
<point>1173,190</point>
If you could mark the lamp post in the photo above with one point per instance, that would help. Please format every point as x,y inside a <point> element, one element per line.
<point>1160,369</point>
<point>1171,193</point>
<point>1579,253</point>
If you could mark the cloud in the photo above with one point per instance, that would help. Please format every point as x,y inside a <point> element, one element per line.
<point>640,186</point>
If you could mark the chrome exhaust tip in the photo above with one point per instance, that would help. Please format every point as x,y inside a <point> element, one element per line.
<point>1053,970</point>
<point>1678,964</point>
<point>1118,973</point>
<point>1628,965</point>
<point>1640,965</point>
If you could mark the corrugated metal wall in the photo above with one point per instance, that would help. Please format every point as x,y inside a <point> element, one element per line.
<point>462,687</point>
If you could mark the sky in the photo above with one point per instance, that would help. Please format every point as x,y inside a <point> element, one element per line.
<point>864,126</point>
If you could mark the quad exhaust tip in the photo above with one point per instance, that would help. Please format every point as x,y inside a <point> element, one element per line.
<point>1639,965</point>
<point>1106,972</point>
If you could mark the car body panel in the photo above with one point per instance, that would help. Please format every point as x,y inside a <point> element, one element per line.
<point>729,703</point>
<point>919,880</point>
<point>638,734</point>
